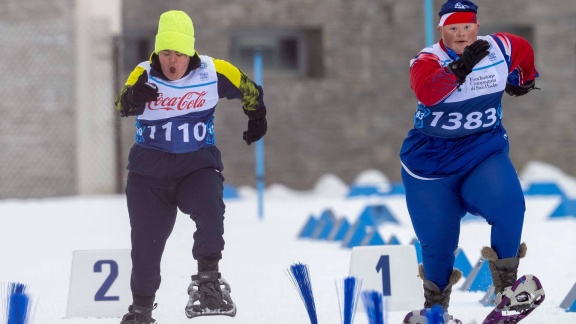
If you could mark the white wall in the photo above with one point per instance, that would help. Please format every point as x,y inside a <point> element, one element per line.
<point>97,22</point>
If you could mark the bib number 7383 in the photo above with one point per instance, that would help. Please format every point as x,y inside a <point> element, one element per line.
<point>473,120</point>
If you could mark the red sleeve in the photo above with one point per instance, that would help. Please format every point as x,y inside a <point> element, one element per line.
<point>431,82</point>
<point>521,56</point>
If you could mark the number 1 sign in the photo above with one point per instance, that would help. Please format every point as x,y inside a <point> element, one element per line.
<point>99,283</point>
<point>391,270</point>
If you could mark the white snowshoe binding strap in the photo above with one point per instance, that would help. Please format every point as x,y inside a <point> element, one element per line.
<point>209,295</point>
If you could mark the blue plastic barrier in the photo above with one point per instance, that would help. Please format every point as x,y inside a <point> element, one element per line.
<point>543,189</point>
<point>371,216</point>
<point>340,229</point>
<point>308,228</point>
<point>377,215</point>
<point>566,208</point>
<point>489,296</point>
<point>324,225</point>
<point>372,237</point>
<point>230,192</point>
<point>418,247</point>
<point>569,303</point>
<point>375,190</point>
<point>462,263</point>
<point>479,278</point>
<point>394,241</point>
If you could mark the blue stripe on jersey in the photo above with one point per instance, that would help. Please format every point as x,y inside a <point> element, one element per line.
<point>488,66</point>
<point>156,80</point>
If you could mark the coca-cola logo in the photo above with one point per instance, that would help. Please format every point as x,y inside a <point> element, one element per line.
<point>190,100</point>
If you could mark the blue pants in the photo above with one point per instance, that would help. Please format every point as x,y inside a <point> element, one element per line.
<point>491,190</point>
<point>158,185</point>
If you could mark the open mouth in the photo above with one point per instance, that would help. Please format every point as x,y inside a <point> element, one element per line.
<point>172,70</point>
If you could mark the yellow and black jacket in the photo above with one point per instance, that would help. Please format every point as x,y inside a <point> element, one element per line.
<point>181,120</point>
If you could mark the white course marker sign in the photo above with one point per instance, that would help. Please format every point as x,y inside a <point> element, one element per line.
<point>99,283</point>
<point>391,270</point>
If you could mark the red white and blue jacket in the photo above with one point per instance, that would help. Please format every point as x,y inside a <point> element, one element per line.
<point>457,126</point>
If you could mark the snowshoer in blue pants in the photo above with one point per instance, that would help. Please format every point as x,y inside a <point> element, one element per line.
<point>455,159</point>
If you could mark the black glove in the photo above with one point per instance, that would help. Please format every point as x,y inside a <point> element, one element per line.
<point>257,125</point>
<point>138,95</point>
<point>472,54</point>
<point>520,90</point>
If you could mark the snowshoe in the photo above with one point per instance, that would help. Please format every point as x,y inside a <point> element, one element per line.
<point>436,301</point>
<point>520,300</point>
<point>421,317</point>
<point>138,315</point>
<point>209,295</point>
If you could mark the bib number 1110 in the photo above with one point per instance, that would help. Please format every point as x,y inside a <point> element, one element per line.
<point>199,131</point>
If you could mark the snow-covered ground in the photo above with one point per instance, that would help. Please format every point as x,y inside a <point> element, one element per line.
<point>38,237</point>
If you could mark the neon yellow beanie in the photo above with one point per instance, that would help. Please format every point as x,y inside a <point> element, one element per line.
<point>175,32</point>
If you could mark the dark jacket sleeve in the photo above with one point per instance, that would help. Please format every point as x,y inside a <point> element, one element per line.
<point>234,84</point>
<point>122,105</point>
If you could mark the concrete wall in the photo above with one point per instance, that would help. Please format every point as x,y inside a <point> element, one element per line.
<point>57,131</point>
<point>96,24</point>
<point>37,127</point>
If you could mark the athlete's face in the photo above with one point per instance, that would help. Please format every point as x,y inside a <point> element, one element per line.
<point>458,36</point>
<point>174,64</point>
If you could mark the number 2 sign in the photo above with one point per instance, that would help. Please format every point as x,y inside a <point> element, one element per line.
<point>99,283</point>
<point>112,276</point>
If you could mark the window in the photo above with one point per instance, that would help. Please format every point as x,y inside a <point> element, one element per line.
<point>284,51</point>
<point>136,48</point>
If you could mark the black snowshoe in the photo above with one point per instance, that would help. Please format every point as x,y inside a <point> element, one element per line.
<point>209,295</point>
<point>139,315</point>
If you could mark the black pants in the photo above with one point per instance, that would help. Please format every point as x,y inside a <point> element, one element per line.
<point>158,184</point>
